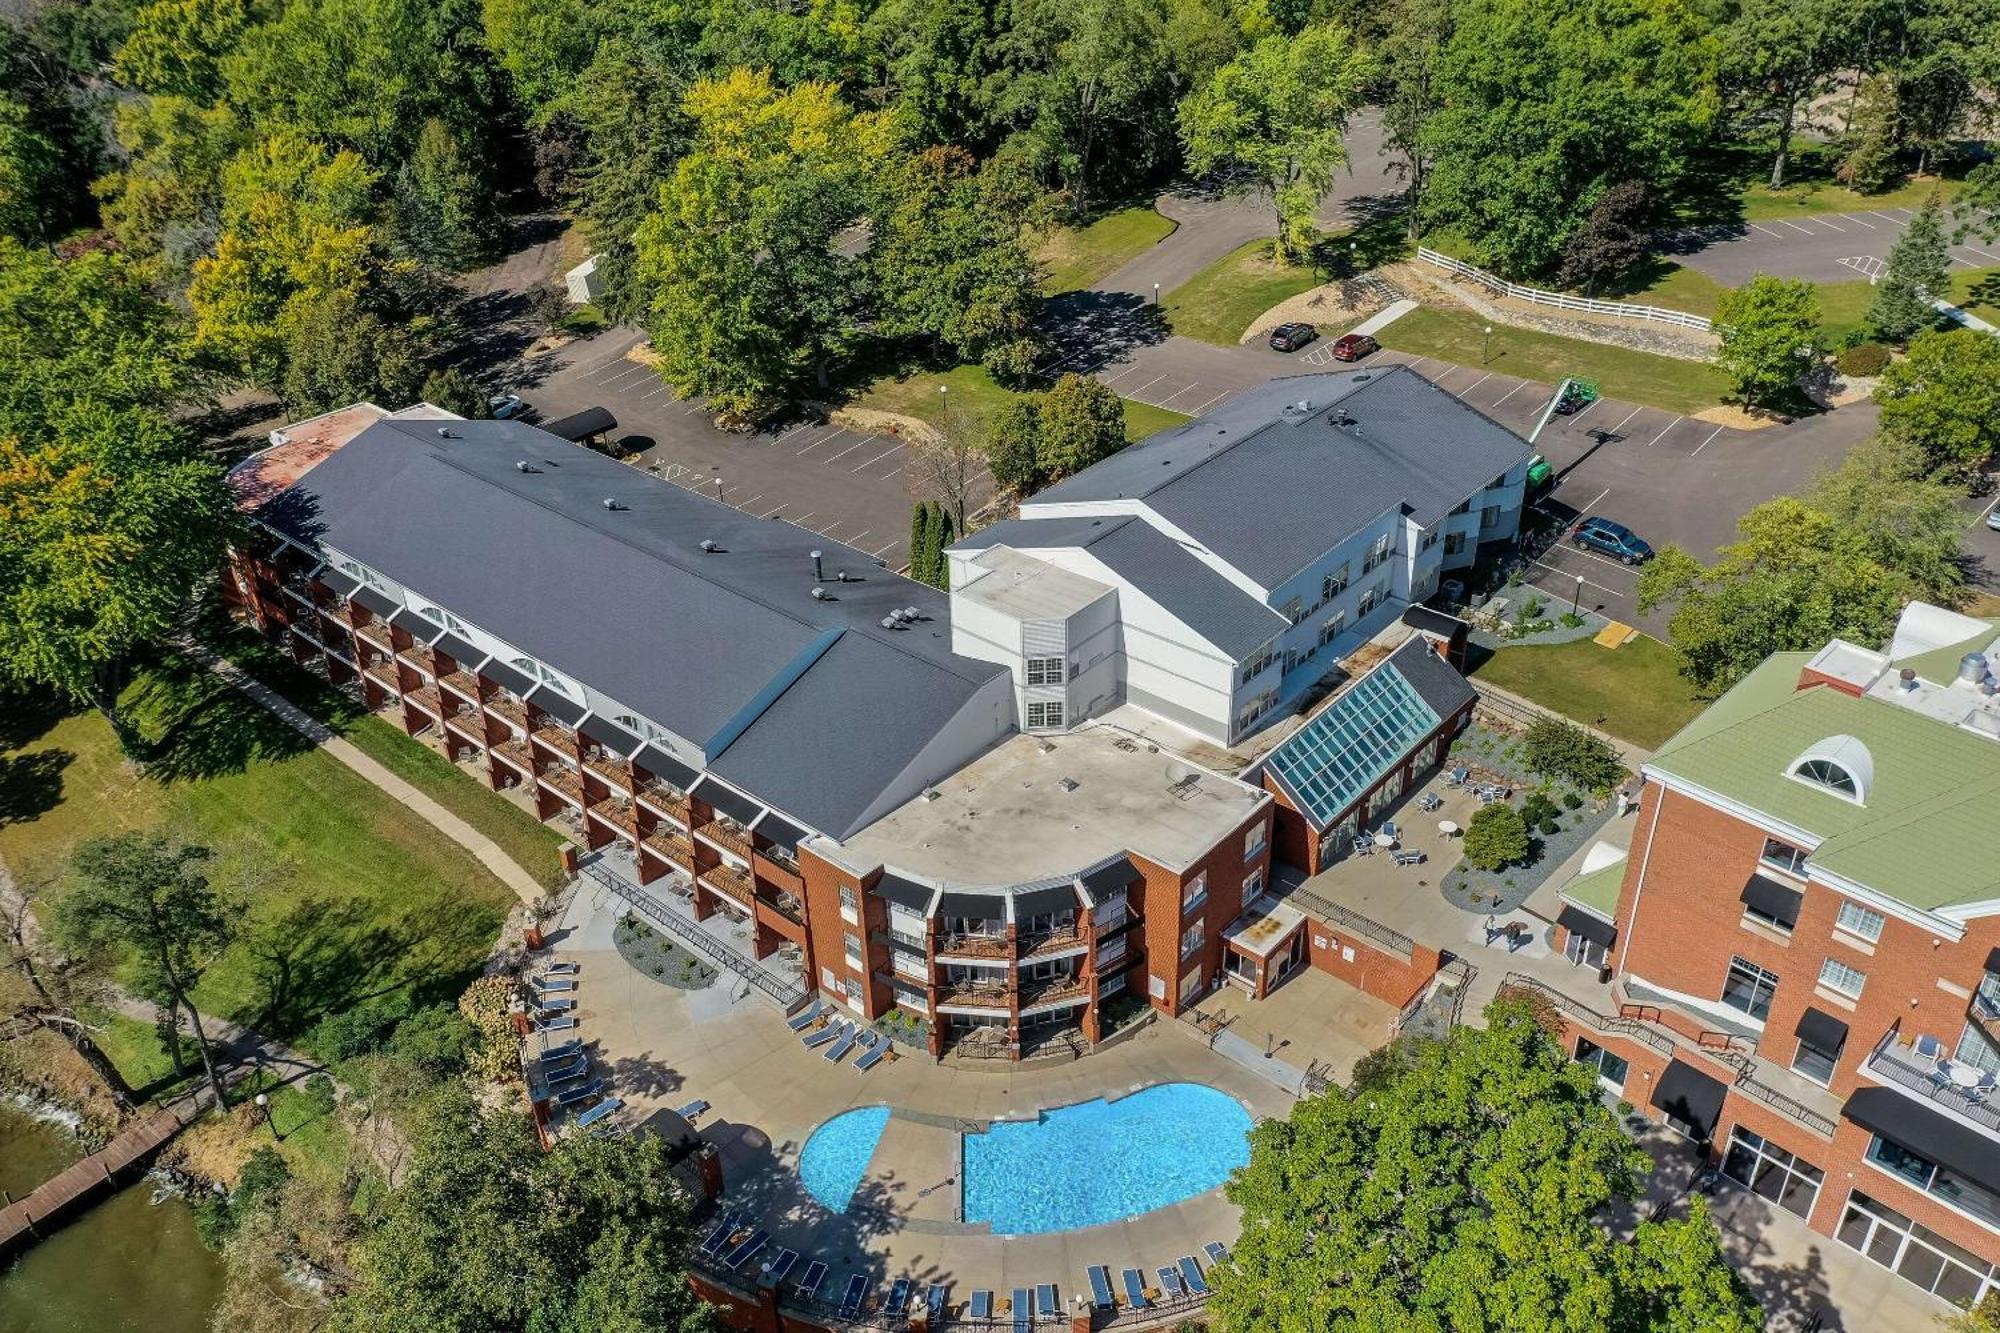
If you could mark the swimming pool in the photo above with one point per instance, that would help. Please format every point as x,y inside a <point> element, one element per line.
<point>1100,1161</point>
<point>836,1156</point>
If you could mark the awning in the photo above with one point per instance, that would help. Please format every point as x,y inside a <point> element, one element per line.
<point>339,582</point>
<point>738,807</point>
<point>1034,902</point>
<point>419,627</point>
<point>905,892</point>
<point>375,602</point>
<point>783,832</point>
<point>665,767</point>
<point>1959,1148</point>
<point>513,679</point>
<point>558,705</point>
<point>580,426</point>
<point>1993,960</point>
<point>1587,924</point>
<point>610,735</point>
<point>1106,878</point>
<point>980,906</point>
<point>1778,901</point>
<point>459,651</point>
<point>1423,618</point>
<point>1690,1096</point>
<point>1822,1030</point>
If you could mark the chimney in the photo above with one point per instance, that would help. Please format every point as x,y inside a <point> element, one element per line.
<point>819,574</point>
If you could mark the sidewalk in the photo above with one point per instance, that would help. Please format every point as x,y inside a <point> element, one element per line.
<point>505,868</point>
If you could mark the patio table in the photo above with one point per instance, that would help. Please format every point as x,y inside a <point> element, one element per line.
<point>1448,828</point>
<point>1384,840</point>
<point>1964,1075</point>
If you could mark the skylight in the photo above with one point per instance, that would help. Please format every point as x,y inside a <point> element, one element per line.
<point>1340,754</point>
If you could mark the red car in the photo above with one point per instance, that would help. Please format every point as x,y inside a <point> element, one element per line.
<point>1354,346</point>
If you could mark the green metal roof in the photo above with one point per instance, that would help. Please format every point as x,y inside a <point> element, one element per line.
<point>1598,889</point>
<point>1940,665</point>
<point>1927,835</point>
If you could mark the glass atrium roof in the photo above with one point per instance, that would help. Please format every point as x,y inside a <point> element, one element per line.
<point>1331,761</point>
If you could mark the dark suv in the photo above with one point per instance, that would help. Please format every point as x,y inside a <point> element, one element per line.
<point>1291,337</point>
<point>1612,539</point>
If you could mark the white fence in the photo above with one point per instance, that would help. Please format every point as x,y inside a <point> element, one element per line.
<point>1616,309</point>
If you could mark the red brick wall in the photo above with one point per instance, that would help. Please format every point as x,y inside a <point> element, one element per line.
<point>824,928</point>
<point>1383,975</point>
<point>1160,906</point>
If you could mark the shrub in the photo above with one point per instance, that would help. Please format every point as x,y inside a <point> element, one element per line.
<point>1013,363</point>
<point>1571,620</point>
<point>1556,748</point>
<point>1497,836</point>
<point>485,1006</point>
<point>1549,828</point>
<point>1537,808</point>
<point>1571,801</point>
<point>1866,359</point>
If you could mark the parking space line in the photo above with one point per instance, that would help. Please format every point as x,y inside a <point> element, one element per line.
<point>1143,387</point>
<point>877,552</point>
<point>879,457</point>
<point>800,521</point>
<point>1705,443</point>
<point>1803,231</point>
<point>1907,214</point>
<point>1827,222</point>
<point>1976,250</point>
<point>859,441</point>
<point>1855,218</point>
<point>1621,425</point>
<point>620,380</point>
<point>775,512</point>
<point>1121,374</point>
<point>822,440</point>
<point>1768,232</point>
<point>1885,217</point>
<point>856,537</point>
<point>1418,362</point>
<point>1475,384</point>
<point>1190,388</point>
<point>1670,425</point>
<point>1589,583</point>
<point>1586,411</point>
<point>794,431</point>
<point>827,531</point>
<point>1205,406</point>
<point>744,505</point>
<point>1511,392</point>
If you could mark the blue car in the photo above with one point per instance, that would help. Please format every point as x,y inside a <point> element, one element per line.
<point>1612,539</point>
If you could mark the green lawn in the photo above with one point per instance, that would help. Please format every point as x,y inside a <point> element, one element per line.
<point>1669,286</point>
<point>1078,257</point>
<point>1635,692</point>
<point>1843,307</point>
<point>344,895</point>
<point>1815,193</point>
<point>1977,290</point>
<point>973,389</point>
<point>1640,377</point>
<point>1217,304</point>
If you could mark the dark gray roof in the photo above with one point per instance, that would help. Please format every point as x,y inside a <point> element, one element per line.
<point>610,735</point>
<point>665,767</point>
<point>777,829</point>
<point>582,425</point>
<point>558,705</point>
<point>339,582</point>
<point>1200,598</point>
<point>1269,489</point>
<point>725,801</point>
<point>905,892</point>
<point>626,599</point>
<point>375,602</point>
<point>419,626</point>
<point>1435,680</point>
<point>1436,622</point>
<point>1116,875</point>
<point>1033,902</point>
<point>459,651</point>
<point>508,676</point>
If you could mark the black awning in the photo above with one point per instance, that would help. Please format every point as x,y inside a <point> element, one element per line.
<point>1822,1030</point>
<point>1993,960</point>
<point>1435,622</point>
<point>375,602</point>
<point>737,806</point>
<point>1117,875</point>
<point>558,705</point>
<point>513,679</point>
<point>1900,1119</point>
<point>1034,902</point>
<point>980,906</point>
<point>905,892</point>
<point>610,735</point>
<point>459,651</point>
<point>1778,901</point>
<point>1591,926</point>
<point>1690,1096</point>
<point>777,829</point>
<point>580,426</point>
<point>419,627</point>
<point>339,582</point>
<point>665,767</point>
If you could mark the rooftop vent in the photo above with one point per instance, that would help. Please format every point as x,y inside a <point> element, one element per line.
<point>910,613</point>
<point>525,466</point>
<point>932,793</point>
<point>1047,747</point>
<point>444,433</point>
<point>708,544</point>
<point>1972,668</point>
<point>840,576</point>
<point>819,594</point>
<point>1908,679</point>
<point>1068,784</point>
<point>818,572</point>
<point>611,503</point>
<point>889,622</point>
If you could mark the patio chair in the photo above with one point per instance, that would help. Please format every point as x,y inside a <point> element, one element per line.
<point>824,1035</point>
<point>781,1267</point>
<point>1409,858</point>
<point>1986,1086</point>
<point>563,968</point>
<point>1216,1252</point>
<point>1429,802</point>
<point>838,1051</point>
<point>899,1297</point>
<point>1389,827</point>
<point>603,1110</point>
<point>557,1054</point>
<point>800,1021</point>
<point>1100,1286</point>
<point>553,1004</point>
<point>857,1292</point>
<point>554,985</point>
<point>692,1109</point>
<point>809,1284</point>
<point>748,1250</point>
<point>1170,1283</point>
<point>1135,1289</point>
<point>1364,846</point>
<point>732,1221</point>
<point>1046,1304</point>
<point>564,1023</point>
<point>1927,1047</point>
<point>582,1094</point>
<point>1191,1276</point>
<point>874,1055</point>
<point>569,1074</point>
<point>1457,777</point>
<point>1024,1315</point>
<point>982,1305</point>
<point>935,1301</point>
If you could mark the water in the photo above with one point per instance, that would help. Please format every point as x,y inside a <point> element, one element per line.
<point>1099,1161</point>
<point>837,1154</point>
<point>125,1266</point>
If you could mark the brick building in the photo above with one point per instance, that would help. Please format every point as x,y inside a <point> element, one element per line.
<point>1800,956</point>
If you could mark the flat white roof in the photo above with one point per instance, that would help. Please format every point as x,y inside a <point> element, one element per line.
<point>1264,925</point>
<point>1025,587</point>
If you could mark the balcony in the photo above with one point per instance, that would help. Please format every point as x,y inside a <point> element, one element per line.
<point>507,708</point>
<point>676,851</point>
<point>462,683</point>
<point>465,721</point>
<point>1052,941</point>
<point>426,698</point>
<point>1897,1063</point>
<point>376,635</point>
<point>563,782</point>
<point>556,737</point>
<point>979,995</point>
<point>976,946</point>
<point>385,676</point>
<point>786,905</point>
<point>614,771</point>
<point>421,658</point>
<point>613,810</point>
<point>1054,990</point>
<point>515,753</point>
<point>730,881</point>
<point>728,835</point>
<point>779,857</point>
<point>903,939</point>
<point>665,799</point>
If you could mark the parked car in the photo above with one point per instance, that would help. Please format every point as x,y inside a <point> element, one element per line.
<point>1291,337</point>
<point>506,406</point>
<point>1612,539</point>
<point>1993,518</point>
<point>1354,346</point>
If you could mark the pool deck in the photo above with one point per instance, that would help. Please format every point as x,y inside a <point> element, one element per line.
<point>662,1047</point>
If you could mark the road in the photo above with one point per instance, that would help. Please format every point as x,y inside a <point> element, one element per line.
<point>1821,247</point>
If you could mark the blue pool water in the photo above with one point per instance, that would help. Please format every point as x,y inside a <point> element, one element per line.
<point>837,1154</point>
<point>1096,1162</point>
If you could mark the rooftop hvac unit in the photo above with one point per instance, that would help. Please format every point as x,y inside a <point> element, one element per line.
<point>1068,784</point>
<point>523,465</point>
<point>1972,668</point>
<point>708,544</point>
<point>819,594</point>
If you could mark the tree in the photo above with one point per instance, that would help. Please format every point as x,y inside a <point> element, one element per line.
<point>1874,137</point>
<point>1557,748</point>
<point>453,390</point>
<point>55,994</point>
<point>1780,54</point>
<point>340,352</point>
<point>748,293</point>
<point>1081,422</point>
<point>1100,68</point>
<point>1496,837</point>
<point>487,1231</point>
<point>948,467</point>
<point>1919,272</point>
<point>30,171</point>
<point>1013,446</point>
<point>1469,1190</point>
<point>1944,397</point>
<point>1616,236</point>
<point>944,59</point>
<point>1769,334</point>
<point>109,518</point>
<point>1976,210</point>
<point>175,48</point>
<point>164,199</point>
<point>1408,58</point>
<point>142,898</point>
<point>930,533</point>
<point>443,211</point>
<point>1901,515</point>
<point>1277,116</point>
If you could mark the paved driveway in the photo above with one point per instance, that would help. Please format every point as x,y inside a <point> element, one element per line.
<point>1824,247</point>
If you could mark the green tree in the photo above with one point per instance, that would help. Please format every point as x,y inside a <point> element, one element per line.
<point>444,213</point>
<point>138,899</point>
<point>1769,334</point>
<point>1976,210</point>
<point>924,543</point>
<point>544,45</point>
<point>175,48</point>
<point>944,58</point>
<point>1277,116</point>
<point>1874,137</point>
<point>1558,748</point>
<point>1082,421</point>
<point>453,390</point>
<point>340,353</point>
<point>748,294</point>
<point>1013,447</point>
<point>487,1231</point>
<point>1919,272</point>
<point>1470,1189</point>
<point>1780,54</point>
<point>162,200</point>
<point>109,518</point>
<point>1496,836</point>
<point>31,169</point>
<point>1408,56</point>
<point>1944,397</point>
<point>1617,236</point>
<point>1098,93</point>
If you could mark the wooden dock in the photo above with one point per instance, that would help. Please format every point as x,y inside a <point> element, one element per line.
<point>26,1221</point>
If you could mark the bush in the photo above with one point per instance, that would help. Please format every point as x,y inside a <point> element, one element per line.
<point>1866,359</point>
<point>1549,828</point>
<point>1537,808</point>
<point>1555,748</point>
<point>1497,836</point>
<point>485,1007</point>
<point>1571,620</point>
<point>344,1035</point>
<point>1571,801</point>
<point>1013,363</point>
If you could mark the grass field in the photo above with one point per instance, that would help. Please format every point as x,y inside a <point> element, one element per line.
<point>1817,193</point>
<point>1636,693</point>
<point>1639,377</point>
<point>1217,304</point>
<point>342,894</point>
<point>973,389</point>
<point>1670,286</point>
<point>1077,257</point>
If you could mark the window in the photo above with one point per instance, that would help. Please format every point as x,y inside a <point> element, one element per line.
<point>1369,600</point>
<point>1045,671</point>
<point>1828,775</point>
<point>1489,516</point>
<point>1863,921</point>
<point>1253,884</point>
<point>1937,1181</point>
<point>1762,1167</point>
<point>1783,856</point>
<point>1330,628</point>
<point>1838,976</point>
<point>853,943</point>
<point>1111,952</point>
<point>1377,553</point>
<point>852,990</point>
<point>1814,1062</point>
<point>1254,840</point>
<point>911,998</point>
<point>1195,892</point>
<point>1454,543</point>
<point>1333,584</point>
<point>1191,939</point>
<point>1748,988</point>
<point>1293,611</point>
<point>849,905</point>
<point>1840,765</point>
<point>1611,1068</point>
<point>1257,661</point>
<point>1045,715</point>
<point>1916,1253</point>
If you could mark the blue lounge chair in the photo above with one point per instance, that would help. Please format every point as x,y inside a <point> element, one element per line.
<point>873,1055</point>
<point>1135,1289</point>
<point>857,1292</point>
<point>1023,1313</point>
<point>554,985</point>
<point>1191,1275</point>
<point>824,1035</point>
<point>809,1285</point>
<point>692,1109</point>
<point>935,1300</point>
<point>579,1070</point>
<point>838,1051</point>
<point>800,1021</point>
<point>565,968</point>
<point>781,1267</point>
<point>555,1004</point>
<point>582,1094</point>
<point>597,1113</point>
<point>1100,1286</point>
<point>899,1296</point>
<point>982,1305</point>
<point>1045,1301</point>
<point>724,1229</point>
<point>564,1066</point>
<point>562,1023</point>
<point>1216,1252</point>
<point>748,1250</point>
<point>551,1054</point>
<point>1170,1282</point>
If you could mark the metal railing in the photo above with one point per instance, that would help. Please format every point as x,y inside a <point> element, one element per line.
<point>1562,300</point>
<point>1887,1061</point>
<point>786,993</point>
<point>1334,914</point>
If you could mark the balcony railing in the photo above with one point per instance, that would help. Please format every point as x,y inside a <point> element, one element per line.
<point>730,881</point>
<point>557,738</point>
<point>376,635</point>
<point>785,905</point>
<point>509,709</point>
<point>665,799</point>
<point>613,810</point>
<point>1895,1062</point>
<point>419,656</point>
<point>614,771</point>
<point>684,931</point>
<point>385,676</point>
<point>908,939</point>
<point>1054,990</point>
<point>426,698</point>
<point>462,683</point>
<point>1313,905</point>
<point>728,835</point>
<point>976,946</point>
<point>675,850</point>
<point>465,721</point>
<point>562,780</point>
<point>1048,941</point>
<point>980,996</point>
<point>515,753</point>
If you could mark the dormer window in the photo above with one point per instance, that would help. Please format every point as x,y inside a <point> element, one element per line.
<point>1841,765</point>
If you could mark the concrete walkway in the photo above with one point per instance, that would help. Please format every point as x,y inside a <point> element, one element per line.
<point>507,870</point>
<point>1383,318</point>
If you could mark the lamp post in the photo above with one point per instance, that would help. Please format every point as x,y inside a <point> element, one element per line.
<point>264,1109</point>
<point>718,480</point>
<point>1353,260</point>
<point>1485,344</point>
<point>1576,598</point>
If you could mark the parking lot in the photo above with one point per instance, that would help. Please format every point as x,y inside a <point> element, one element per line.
<point>1821,247</point>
